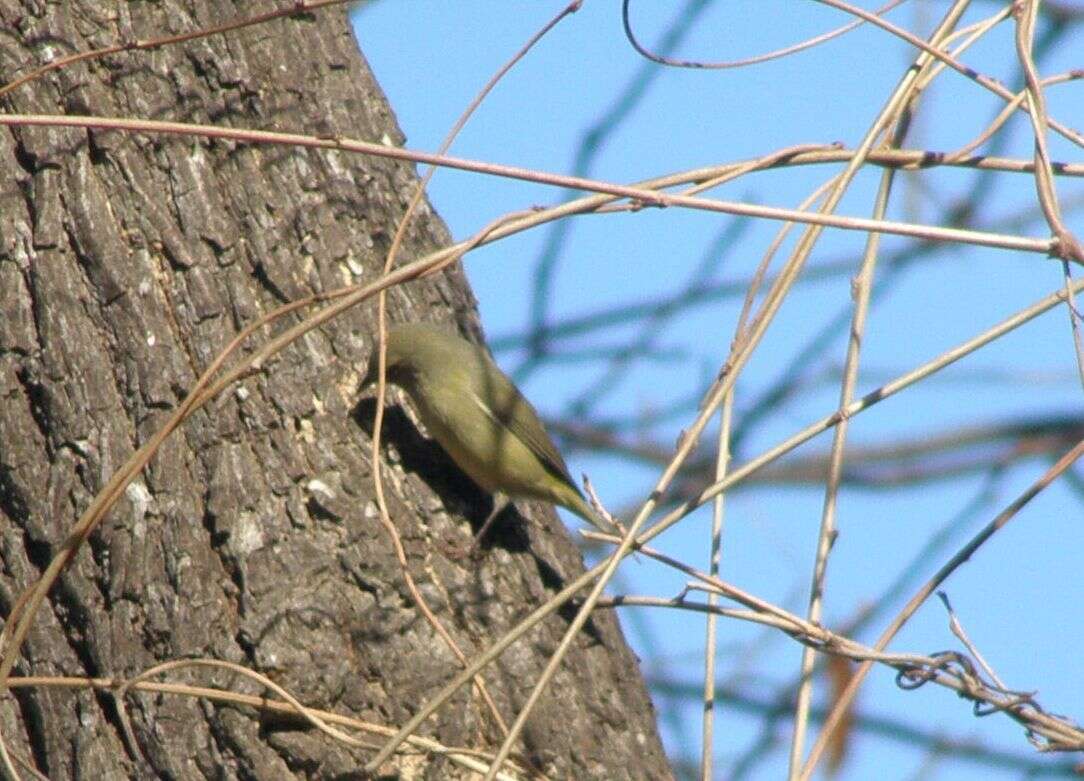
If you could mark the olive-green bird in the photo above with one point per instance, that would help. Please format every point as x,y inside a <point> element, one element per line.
<point>480,418</point>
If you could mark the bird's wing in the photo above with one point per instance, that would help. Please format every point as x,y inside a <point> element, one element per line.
<point>507,400</point>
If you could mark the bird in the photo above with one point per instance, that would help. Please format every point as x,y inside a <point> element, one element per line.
<point>480,418</point>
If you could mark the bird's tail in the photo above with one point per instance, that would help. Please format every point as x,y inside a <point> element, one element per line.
<point>579,505</point>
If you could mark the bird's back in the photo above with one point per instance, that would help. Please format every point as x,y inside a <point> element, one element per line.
<point>449,372</point>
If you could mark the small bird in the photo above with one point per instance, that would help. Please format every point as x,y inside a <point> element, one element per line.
<point>480,419</point>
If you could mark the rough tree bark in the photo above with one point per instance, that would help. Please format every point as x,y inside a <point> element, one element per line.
<point>126,263</point>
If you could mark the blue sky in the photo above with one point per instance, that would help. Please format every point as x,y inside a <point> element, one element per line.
<point>1021,597</point>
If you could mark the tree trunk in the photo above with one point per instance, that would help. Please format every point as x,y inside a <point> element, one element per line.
<point>127,261</point>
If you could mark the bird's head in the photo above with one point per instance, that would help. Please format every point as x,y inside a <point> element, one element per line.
<point>411,350</point>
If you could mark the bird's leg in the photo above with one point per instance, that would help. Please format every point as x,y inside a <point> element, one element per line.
<point>500,502</point>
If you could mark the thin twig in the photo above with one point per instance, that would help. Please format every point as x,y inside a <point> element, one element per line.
<point>957,629</point>
<point>468,758</point>
<point>640,196</point>
<point>299,7</point>
<point>715,547</point>
<point>846,697</point>
<point>904,94</point>
<point>808,43</point>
